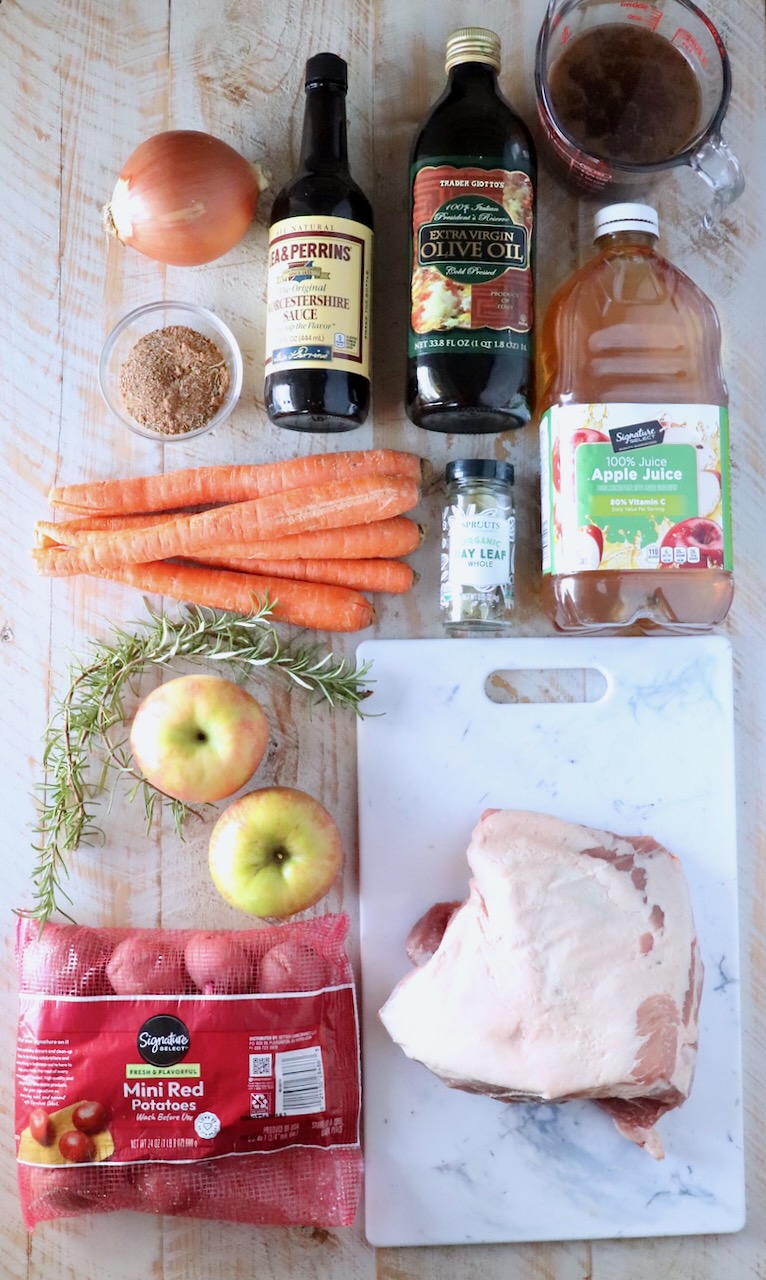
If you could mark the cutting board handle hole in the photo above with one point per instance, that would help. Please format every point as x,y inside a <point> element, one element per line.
<point>551,684</point>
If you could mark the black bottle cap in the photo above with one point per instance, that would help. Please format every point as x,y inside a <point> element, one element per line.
<point>479,469</point>
<point>327,67</point>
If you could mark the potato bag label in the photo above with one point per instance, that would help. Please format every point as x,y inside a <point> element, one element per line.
<point>471,284</point>
<point>182,1078</point>
<point>319,291</point>
<point>635,487</point>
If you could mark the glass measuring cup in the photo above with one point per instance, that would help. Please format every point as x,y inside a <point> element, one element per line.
<point>693,36</point>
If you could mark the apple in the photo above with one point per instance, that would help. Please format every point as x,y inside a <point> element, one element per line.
<point>708,491</point>
<point>589,546</point>
<point>199,738</point>
<point>274,852</point>
<point>697,532</point>
<point>584,435</point>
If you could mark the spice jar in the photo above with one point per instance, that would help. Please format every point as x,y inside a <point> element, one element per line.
<point>478,541</point>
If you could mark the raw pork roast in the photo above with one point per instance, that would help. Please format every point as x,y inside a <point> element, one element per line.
<point>572,971</point>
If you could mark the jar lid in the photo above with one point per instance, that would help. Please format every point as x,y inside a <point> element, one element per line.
<point>626,217</point>
<point>479,469</point>
<point>473,44</point>
<point>327,67</point>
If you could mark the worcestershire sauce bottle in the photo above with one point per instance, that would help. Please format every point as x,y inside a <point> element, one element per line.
<point>320,272</point>
<point>473,177</point>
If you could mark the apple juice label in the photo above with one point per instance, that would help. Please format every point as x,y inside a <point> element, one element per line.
<point>182,1078</point>
<point>635,486</point>
<point>471,259</point>
<point>319,290</point>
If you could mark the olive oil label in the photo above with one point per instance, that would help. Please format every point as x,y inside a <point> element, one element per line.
<point>471,260</point>
<point>319,290</point>
<point>635,486</point>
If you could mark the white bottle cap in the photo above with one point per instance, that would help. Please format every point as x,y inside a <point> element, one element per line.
<point>626,217</point>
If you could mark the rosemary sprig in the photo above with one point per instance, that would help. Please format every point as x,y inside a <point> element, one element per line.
<point>88,718</point>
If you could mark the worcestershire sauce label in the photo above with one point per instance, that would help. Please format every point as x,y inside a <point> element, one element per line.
<point>319,282</point>
<point>471,260</point>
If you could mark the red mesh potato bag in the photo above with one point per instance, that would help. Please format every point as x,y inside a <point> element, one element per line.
<point>213,1075</point>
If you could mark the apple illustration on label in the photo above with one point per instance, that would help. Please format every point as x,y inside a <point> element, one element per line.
<point>199,738</point>
<point>274,852</point>
<point>708,491</point>
<point>704,537</point>
<point>584,435</point>
<point>588,546</point>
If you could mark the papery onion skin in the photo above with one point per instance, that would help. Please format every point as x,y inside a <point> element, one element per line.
<point>184,198</point>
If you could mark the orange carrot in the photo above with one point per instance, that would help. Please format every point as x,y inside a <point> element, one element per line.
<point>195,486</point>
<point>65,533</point>
<point>398,536</point>
<point>391,576</point>
<point>59,562</point>
<point>359,500</point>
<point>306,604</point>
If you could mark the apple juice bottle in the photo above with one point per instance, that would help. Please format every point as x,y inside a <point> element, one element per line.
<point>635,490</point>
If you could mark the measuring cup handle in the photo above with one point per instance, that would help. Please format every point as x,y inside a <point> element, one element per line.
<point>718,165</point>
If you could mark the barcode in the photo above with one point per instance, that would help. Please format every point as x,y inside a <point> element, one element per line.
<point>300,1082</point>
<point>260,1064</point>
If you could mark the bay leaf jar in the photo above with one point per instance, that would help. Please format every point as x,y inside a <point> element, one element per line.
<point>478,544</point>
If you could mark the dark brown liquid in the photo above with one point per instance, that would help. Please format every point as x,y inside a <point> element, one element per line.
<point>320,399</point>
<point>472,393</point>
<point>625,93</point>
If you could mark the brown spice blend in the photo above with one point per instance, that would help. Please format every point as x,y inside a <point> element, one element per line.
<point>174,380</point>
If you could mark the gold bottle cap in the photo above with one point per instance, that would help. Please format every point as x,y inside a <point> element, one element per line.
<point>473,44</point>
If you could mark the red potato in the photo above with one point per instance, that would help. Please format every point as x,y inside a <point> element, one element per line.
<point>141,966</point>
<point>49,1192</point>
<point>41,1126</point>
<point>67,961</point>
<point>56,1193</point>
<point>89,1117</point>
<point>169,1188</point>
<point>76,1146</point>
<point>220,964</point>
<point>292,966</point>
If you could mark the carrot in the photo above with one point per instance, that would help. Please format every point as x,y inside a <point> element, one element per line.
<point>65,533</point>
<point>195,486</point>
<point>306,604</point>
<point>359,500</point>
<point>391,576</point>
<point>397,536</point>
<point>59,562</point>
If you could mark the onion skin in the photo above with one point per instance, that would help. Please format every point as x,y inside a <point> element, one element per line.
<point>184,198</point>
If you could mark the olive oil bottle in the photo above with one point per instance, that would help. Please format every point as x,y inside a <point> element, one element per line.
<point>473,177</point>
<point>320,273</point>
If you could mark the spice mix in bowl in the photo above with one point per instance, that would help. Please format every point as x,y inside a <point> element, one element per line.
<point>171,370</point>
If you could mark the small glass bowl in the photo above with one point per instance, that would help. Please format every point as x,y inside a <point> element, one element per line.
<point>158,315</point>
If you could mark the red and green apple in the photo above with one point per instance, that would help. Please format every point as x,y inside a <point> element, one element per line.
<point>274,852</point>
<point>199,738</point>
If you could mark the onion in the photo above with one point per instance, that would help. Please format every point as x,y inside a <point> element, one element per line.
<point>184,198</point>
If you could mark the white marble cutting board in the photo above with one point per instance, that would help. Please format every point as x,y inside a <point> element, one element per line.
<point>653,756</point>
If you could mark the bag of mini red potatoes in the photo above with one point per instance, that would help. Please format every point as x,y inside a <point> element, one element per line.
<point>211,1075</point>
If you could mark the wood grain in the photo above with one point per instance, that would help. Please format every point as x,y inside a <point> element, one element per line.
<point>81,83</point>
